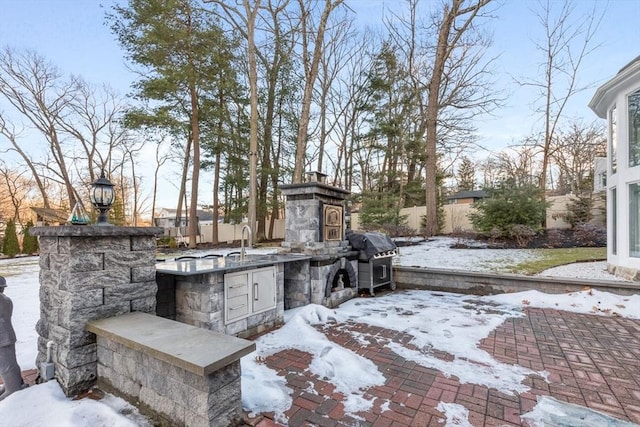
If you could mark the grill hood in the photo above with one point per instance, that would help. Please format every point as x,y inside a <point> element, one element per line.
<point>370,243</point>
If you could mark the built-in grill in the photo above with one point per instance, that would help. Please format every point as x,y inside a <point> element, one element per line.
<point>375,257</point>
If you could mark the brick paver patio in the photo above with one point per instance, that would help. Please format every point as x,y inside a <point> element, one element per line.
<point>593,361</point>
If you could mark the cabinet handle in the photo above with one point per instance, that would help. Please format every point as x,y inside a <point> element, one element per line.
<point>238,307</point>
<point>384,271</point>
<point>256,295</point>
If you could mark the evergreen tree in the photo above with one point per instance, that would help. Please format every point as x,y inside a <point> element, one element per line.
<point>10,245</point>
<point>29,242</point>
<point>579,210</point>
<point>380,210</point>
<point>507,206</point>
<point>183,52</point>
<point>116,213</point>
<point>388,104</point>
<point>466,175</point>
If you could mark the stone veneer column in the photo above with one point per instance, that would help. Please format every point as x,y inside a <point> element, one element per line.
<point>90,273</point>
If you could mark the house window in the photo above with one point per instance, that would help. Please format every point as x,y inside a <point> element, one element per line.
<point>634,129</point>
<point>634,220</point>
<point>613,139</point>
<point>614,221</point>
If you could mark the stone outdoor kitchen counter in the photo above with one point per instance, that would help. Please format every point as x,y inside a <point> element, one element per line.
<point>190,267</point>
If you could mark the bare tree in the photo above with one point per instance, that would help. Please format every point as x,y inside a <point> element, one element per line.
<point>13,136</point>
<point>245,20</point>
<point>574,150</point>
<point>338,48</point>
<point>160,159</point>
<point>519,164</point>
<point>567,41</point>
<point>310,62</point>
<point>456,21</point>
<point>14,187</point>
<point>36,90</point>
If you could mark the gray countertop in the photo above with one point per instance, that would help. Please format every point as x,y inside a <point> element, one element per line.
<point>189,267</point>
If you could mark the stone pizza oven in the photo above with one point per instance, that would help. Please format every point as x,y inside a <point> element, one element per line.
<point>315,226</point>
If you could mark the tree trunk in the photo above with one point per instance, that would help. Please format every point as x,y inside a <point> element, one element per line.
<point>311,72</point>
<point>253,130</point>
<point>195,129</point>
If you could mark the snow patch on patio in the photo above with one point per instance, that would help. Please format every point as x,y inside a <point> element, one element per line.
<point>456,415</point>
<point>350,373</point>
<point>552,412</point>
<point>588,301</point>
<point>443,322</point>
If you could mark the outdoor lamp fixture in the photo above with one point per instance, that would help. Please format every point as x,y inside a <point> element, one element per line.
<point>102,196</point>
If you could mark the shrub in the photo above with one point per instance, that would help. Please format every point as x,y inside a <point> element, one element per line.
<point>509,205</point>
<point>579,210</point>
<point>590,235</point>
<point>398,230</point>
<point>522,234</point>
<point>29,242</point>
<point>555,238</point>
<point>10,245</point>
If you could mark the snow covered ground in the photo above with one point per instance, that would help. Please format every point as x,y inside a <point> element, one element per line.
<point>441,323</point>
<point>437,253</point>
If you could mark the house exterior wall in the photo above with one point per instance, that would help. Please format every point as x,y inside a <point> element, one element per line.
<point>623,230</point>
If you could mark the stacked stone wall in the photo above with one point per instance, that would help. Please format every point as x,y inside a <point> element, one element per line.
<point>170,394</point>
<point>200,301</point>
<point>89,273</point>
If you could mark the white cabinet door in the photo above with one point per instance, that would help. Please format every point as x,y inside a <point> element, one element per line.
<point>249,292</point>
<point>263,289</point>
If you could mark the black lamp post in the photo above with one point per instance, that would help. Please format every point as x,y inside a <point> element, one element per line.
<point>102,197</point>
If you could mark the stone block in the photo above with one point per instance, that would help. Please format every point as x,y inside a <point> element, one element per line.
<point>144,273</point>
<point>77,380</point>
<point>104,354</point>
<point>96,279</point>
<point>71,338</point>
<point>193,419</point>
<point>43,261</point>
<point>63,245</point>
<point>50,278</point>
<point>90,261</point>
<point>50,298</point>
<point>129,291</point>
<point>88,244</point>
<point>143,243</point>
<point>191,300</point>
<point>145,305</point>
<point>309,235</point>
<point>60,262</point>
<point>236,327</point>
<point>128,258</point>
<point>78,356</point>
<point>79,320</point>
<point>225,399</point>
<point>72,301</point>
<point>162,405</point>
<point>159,367</point>
<point>124,365</point>
<point>48,244</point>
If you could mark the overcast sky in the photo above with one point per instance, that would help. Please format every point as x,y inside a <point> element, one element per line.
<point>72,34</point>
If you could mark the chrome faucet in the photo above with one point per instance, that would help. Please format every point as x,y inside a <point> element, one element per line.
<point>243,251</point>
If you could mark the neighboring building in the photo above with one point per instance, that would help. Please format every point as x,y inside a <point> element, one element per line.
<point>599,174</point>
<point>466,197</point>
<point>166,218</point>
<point>618,101</point>
<point>49,216</point>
